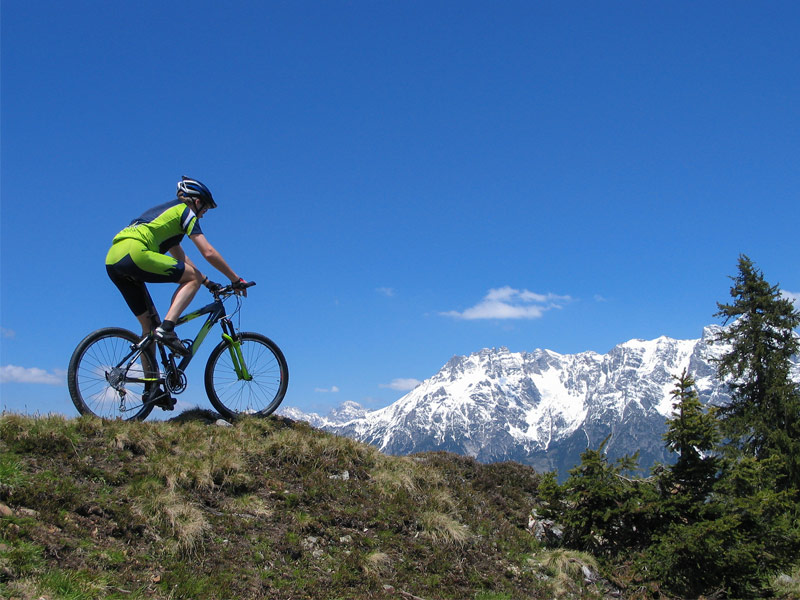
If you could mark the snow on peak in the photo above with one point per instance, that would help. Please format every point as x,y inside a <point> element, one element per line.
<point>541,407</point>
<point>538,396</point>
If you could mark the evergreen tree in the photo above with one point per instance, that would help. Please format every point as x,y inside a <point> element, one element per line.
<point>763,417</point>
<point>601,510</point>
<point>744,534</point>
<point>728,530</point>
<point>692,433</point>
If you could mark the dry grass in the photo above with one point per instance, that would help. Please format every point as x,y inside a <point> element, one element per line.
<point>170,516</point>
<point>248,504</point>
<point>377,564</point>
<point>391,476</point>
<point>566,568</point>
<point>443,528</point>
<point>139,440</point>
<point>303,447</point>
<point>50,432</point>
<point>394,474</point>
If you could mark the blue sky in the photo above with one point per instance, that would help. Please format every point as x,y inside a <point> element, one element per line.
<point>406,181</point>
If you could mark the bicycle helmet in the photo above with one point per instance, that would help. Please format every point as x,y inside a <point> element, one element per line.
<point>191,188</point>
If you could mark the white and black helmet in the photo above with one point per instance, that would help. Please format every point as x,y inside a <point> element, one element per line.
<point>191,188</point>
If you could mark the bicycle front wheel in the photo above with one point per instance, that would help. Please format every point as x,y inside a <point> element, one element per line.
<point>101,384</point>
<point>250,380</point>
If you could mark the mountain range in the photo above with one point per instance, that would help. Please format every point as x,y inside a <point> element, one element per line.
<point>540,408</point>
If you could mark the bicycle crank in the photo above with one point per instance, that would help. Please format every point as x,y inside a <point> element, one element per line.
<point>176,381</point>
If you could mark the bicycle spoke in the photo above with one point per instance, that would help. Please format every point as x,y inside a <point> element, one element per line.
<point>258,393</point>
<point>99,386</point>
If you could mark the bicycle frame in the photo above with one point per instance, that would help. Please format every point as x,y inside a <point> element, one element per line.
<point>216,314</point>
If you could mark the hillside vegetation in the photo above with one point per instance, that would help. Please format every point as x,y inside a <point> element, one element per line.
<point>267,508</point>
<point>271,508</point>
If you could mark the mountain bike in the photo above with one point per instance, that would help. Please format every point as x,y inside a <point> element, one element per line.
<point>114,373</point>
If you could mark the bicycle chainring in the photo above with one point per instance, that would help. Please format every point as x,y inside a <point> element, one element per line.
<point>176,382</point>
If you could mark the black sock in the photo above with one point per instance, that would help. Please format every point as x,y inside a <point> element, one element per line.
<point>167,325</point>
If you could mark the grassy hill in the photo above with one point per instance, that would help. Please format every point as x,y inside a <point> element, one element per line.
<point>267,508</point>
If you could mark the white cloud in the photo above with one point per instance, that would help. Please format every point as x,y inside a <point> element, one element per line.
<point>332,390</point>
<point>7,333</point>
<point>386,291</point>
<point>14,374</point>
<point>510,303</point>
<point>401,385</point>
<point>793,296</point>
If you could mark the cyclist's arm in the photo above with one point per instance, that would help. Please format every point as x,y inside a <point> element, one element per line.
<point>212,256</point>
<point>178,253</point>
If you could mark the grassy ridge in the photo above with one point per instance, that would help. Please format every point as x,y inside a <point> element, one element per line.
<point>267,508</point>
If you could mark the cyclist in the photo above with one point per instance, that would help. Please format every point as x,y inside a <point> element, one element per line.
<point>138,255</point>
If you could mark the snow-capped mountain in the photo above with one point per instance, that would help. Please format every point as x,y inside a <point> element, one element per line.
<point>540,408</point>
<point>344,413</point>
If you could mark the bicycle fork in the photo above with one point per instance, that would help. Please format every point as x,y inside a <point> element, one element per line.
<point>235,350</point>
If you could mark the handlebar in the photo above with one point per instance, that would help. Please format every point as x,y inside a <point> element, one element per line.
<point>232,288</point>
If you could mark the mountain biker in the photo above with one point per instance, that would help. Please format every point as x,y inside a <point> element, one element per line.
<point>138,255</point>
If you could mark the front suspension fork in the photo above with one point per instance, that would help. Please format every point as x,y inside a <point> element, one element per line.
<point>235,350</point>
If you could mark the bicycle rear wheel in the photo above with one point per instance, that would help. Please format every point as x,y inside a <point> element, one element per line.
<point>99,387</point>
<point>260,390</point>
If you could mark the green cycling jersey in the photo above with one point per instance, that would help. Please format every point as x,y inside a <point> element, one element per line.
<point>162,227</point>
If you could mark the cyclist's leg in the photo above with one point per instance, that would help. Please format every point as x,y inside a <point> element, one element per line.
<point>136,297</point>
<point>159,268</point>
<point>130,264</point>
<point>158,394</point>
<point>187,289</point>
<point>149,318</point>
<point>132,259</point>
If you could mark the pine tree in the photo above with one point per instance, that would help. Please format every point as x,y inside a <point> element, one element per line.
<point>763,417</point>
<point>727,525</point>
<point>743,535</point>
<point>601,510</point>
<point>692,433</point>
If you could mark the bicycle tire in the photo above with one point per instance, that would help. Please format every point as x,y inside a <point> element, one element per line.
<point>233,396</point>
<point>89,370</point>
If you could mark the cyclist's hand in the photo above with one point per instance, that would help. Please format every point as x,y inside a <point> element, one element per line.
<point>213,286</point>
<point>240,287</point>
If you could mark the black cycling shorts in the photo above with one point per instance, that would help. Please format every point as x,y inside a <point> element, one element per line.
<point>130,264</point>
